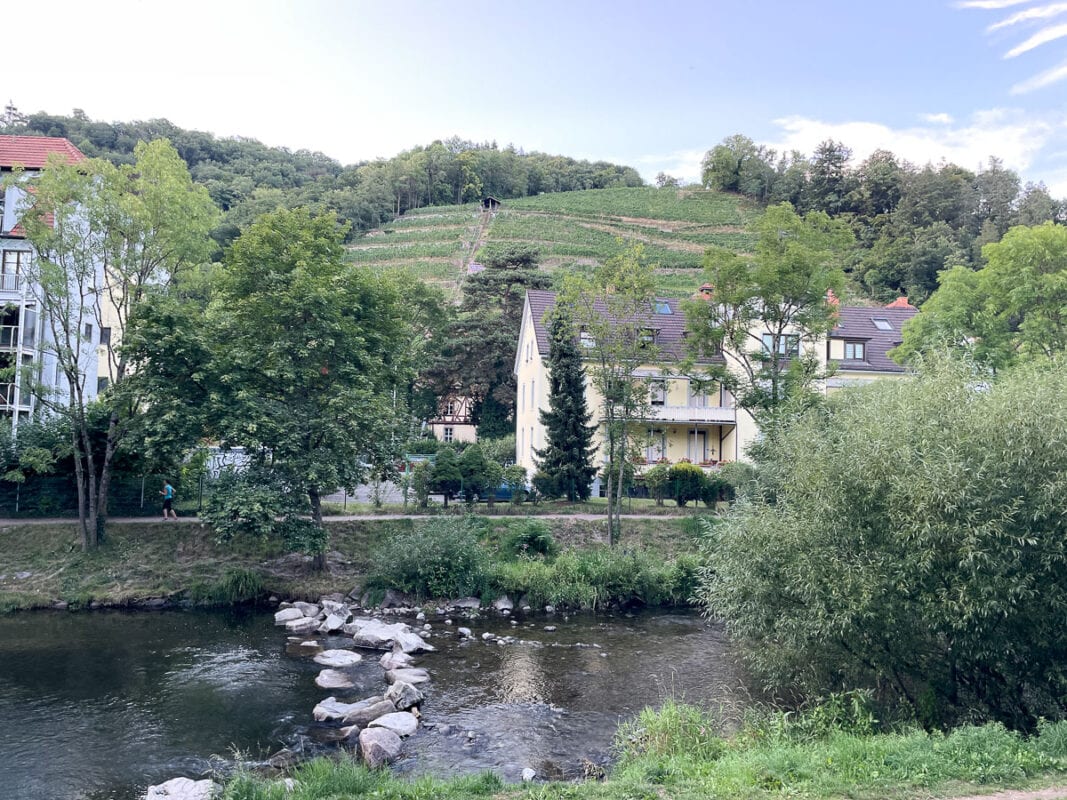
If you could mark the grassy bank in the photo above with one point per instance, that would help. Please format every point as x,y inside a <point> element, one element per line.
<point>675,753</point>
<point>43,563</point>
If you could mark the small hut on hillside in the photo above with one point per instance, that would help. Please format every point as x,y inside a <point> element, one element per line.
<point>490,203</point>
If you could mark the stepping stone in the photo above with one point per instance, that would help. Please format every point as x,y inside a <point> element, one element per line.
<point>400,722</point>
<point>338,658</point>
<point>333,679</point>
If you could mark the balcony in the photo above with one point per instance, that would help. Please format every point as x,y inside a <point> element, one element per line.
<point>709,415</point>
<point>10,284</point>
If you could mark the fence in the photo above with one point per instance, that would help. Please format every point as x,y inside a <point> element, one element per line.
<point>57,496</point>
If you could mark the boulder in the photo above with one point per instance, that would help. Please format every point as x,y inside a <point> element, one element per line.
<point>333,679</point>
<point>412,676</point>
<point>403,695</point>
<point>307,609</point>
<point>184,789</point>
<point>287,614</point>
<point>337,607</point>
<point>338,658</point>
<point>467,602</point>
<point>302,625</point>
<point>465,632</point>
<point>528,774</point>
<point>395,660</point>
<point>334,622</point>
<point>331,708</point>
<point>378,635</point>
<point>369,710</point>
<point>410,642</point>
<point>503,603</point>
<point>401,723</point>
<point>379,746</point>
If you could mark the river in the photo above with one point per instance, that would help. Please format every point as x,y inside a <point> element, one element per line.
<point>97,705</point>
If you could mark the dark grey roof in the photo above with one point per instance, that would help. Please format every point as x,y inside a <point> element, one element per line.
<point>670,328</point>
<point>856,323</point>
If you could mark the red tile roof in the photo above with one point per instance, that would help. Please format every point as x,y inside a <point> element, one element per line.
<point>31,152</point>
<point>902,302</point>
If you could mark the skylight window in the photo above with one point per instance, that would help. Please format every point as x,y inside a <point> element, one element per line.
<point>882,324</point>
<point>662,307</point>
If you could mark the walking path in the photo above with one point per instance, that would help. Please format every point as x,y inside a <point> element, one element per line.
<point>187,520</point>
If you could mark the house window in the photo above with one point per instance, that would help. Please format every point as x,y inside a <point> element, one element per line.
<point>854,351</point>
<point>14,261</point>
<point>788,344</point>
<point>105,335</point>
<point>586,340</point>
<point>657,391</point>
<point>88,330</point>
<point>656,450</point>
<point>522,398</point>
<point>882,324</point>
<point>450,408</point>
<point>662,307</point>
<point>102,384</point>
<point>698,396</point>
<point>533,394</point>
<point>647,337</point>
<point>449,434</point>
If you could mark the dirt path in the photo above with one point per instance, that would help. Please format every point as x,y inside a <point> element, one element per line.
<point>1052,793</point>
<point>190,520</point>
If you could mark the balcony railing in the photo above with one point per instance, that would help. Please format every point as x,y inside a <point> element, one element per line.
<point>10,283</point>
<point>706,414</point>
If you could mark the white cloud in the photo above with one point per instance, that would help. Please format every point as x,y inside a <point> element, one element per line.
<point>990,4</point>
<point>1041,80</point>
<point>1043,36</point>
<point>1010,135</point>
<point>1038,12</point>
<point>681,164</point>
<point>942,119</point>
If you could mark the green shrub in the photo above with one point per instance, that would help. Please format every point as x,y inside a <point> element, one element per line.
<point>440,558</point>
<point>246,503</point>
<point>534,538</point>
<point>657,479</point>
<point>687,483</point>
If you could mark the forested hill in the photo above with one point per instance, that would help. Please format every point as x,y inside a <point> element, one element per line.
<point>246,178</point>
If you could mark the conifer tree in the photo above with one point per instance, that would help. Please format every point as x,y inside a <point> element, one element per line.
<point>566,462</point>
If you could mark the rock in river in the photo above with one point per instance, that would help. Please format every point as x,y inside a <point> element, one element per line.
<point>368,711</point>
<point>379,746</point>
<point>184,789</point>
<point>399,722</point>
<point>332,708</point>
<point>338,658</point>
<point>288,615</point>
<point>403,695</point>
<point>333,679</point>
<point>395,660</point>
<point>412,676</point>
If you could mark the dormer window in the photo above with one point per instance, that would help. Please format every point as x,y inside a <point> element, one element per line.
<point>658,393</point>
<point>586,340</point>
<point>647,337</point>
<point>854,351</point>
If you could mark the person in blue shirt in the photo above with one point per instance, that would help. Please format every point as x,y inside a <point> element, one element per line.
<point>168,501</point>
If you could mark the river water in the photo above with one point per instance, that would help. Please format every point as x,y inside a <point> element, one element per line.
<point>97,705</point>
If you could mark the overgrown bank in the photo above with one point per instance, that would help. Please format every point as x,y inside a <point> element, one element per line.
<point>831,751</point>
<point>155,563</point>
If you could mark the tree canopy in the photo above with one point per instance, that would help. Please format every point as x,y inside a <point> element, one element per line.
<point>909,537</point>
<point>1013,308</point>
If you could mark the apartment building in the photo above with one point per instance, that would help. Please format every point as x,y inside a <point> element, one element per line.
<point>27,337</point>
<point>690,420</point>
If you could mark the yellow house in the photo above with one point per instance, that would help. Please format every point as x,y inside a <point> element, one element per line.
<point>687,421</point>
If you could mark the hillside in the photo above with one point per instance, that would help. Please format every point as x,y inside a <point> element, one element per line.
<point>573,230</point>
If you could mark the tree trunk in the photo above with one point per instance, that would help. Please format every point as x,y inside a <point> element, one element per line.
<point>83,502</point>
<point>319,564</point>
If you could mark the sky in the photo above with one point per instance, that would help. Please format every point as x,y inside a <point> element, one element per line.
<point>650,84</point>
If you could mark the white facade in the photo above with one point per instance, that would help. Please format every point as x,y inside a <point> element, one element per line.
<point>28,338</point>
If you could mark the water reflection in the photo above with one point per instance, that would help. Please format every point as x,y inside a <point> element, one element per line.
<point>97,705</point>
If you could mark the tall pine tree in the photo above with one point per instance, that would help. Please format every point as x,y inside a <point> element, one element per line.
<point>565,465</point>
